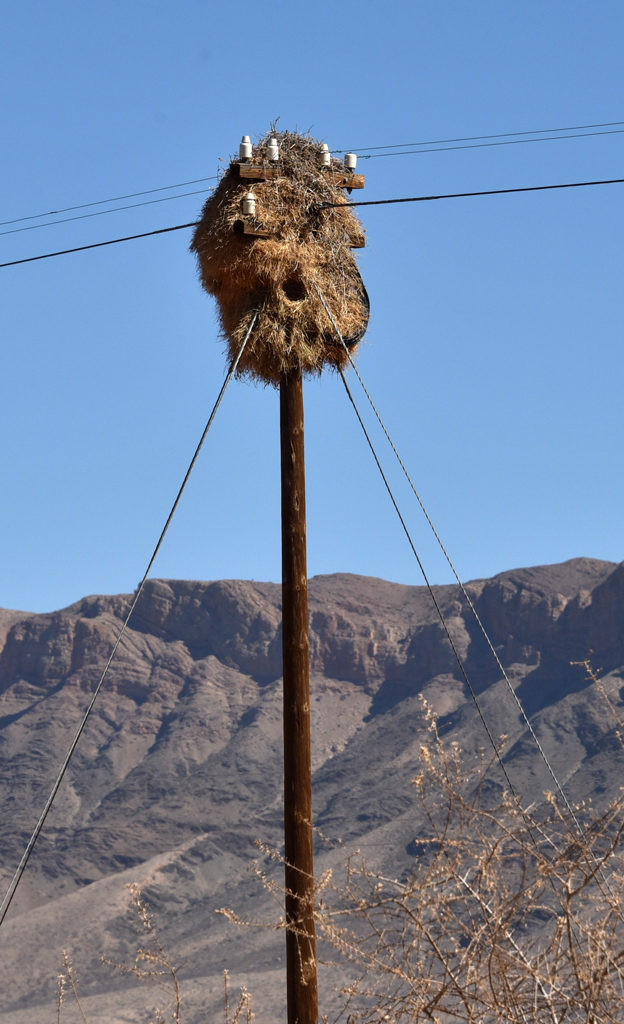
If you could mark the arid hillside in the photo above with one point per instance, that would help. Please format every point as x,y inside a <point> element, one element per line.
<point>179,769</point>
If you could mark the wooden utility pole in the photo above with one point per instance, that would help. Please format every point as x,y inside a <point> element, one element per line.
<point>301,983</point>
<point>287,191</point>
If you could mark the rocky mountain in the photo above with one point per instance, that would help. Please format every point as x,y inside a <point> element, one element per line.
<point>178,771</point>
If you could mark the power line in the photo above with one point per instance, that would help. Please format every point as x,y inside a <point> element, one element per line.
<point>325,206</point>
<point>481,138</point>
<point>112,199</point>
<point>102,213</point>
<point>10,893</point>
<point>487,145</point>
<point>465,195</point>
<point>97,245</point>
<point>411,146</point>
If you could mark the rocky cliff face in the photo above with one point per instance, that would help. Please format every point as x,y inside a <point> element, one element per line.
<point>179,768</point>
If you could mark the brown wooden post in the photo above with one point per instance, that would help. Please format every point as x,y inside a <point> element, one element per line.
<point>301,981</point>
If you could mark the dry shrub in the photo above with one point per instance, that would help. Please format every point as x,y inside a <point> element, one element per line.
<point>152,963</point>
<point>67,982</point>
<point>308,248</point>
<point>508,917</point>
<point>242,1011</point>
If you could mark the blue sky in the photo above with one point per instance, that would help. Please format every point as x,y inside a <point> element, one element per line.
<point>494,349</point>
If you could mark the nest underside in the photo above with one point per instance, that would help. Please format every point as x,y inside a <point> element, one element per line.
<point>307,254</point>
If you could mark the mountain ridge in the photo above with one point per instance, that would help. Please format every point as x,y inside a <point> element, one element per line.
<point>179,768</point>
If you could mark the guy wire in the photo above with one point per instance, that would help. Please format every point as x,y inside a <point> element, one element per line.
<point>428,584</point>
<point>597,867</point>
<point>531,823</point>
<point>10,893</point>
<point>417,556</point>
<point>429,587</point>
<point>471,606</point>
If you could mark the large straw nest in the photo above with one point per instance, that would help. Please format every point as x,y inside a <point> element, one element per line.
<point>307,249</point>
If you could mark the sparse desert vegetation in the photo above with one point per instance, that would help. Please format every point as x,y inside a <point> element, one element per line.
<point>179,773</point>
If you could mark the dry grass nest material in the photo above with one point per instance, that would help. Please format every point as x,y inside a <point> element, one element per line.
<point>307,249</point>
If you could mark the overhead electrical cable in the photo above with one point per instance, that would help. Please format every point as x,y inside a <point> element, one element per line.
<point>98,245</point>
<point>325,206</point>
<point>112,199</point>
<point>12,888</point>
<point>364,151</point>
<point>102,213</point>
<point>468,195</point>
<point>480,138</point>
<point>487,145</point>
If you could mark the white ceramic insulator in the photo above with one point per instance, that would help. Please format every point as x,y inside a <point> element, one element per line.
<point>249,205</point>
<point>350,161</point>
<point>325,156</point>
<point>273,150</point>
<point>246,148</point>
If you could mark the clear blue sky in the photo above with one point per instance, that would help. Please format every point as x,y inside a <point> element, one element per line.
<point>494,350</point>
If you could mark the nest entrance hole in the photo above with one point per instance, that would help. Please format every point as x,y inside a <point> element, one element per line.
<point>294,289</point>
